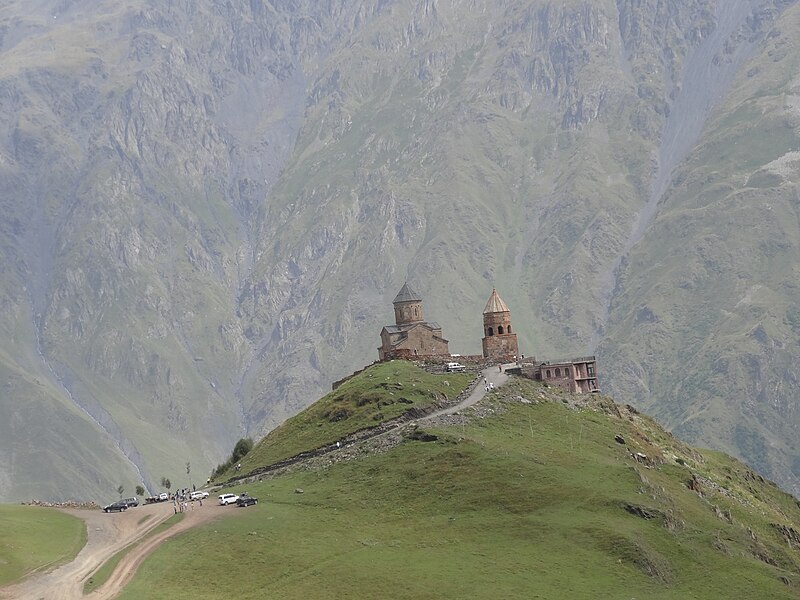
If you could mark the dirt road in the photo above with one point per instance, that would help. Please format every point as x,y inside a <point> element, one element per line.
<point>108,534</point>
<point>493,375</point>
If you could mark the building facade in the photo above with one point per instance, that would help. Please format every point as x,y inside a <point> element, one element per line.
<point>576,375</point>
<point>411,335</point>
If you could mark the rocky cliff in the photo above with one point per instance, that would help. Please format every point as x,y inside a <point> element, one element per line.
<point>208,207</point>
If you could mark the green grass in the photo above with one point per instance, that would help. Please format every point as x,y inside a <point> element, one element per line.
<point>524,502</point>
<point>380,393</point>
<point>101,575</point>
<point>36,538</point>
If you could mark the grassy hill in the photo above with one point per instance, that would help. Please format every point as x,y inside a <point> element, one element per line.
<point>35,538</point>
<point>532,493</point>
<point>382,393</point>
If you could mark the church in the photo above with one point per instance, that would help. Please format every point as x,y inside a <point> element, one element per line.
<point>411,335</point>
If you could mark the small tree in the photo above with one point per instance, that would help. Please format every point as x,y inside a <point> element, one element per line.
<point>167,484</point>
<point>242,447</point>
<point>139,490</point>
<point>120,490</point>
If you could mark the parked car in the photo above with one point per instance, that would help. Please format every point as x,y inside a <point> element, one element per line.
<point>162,497</point>
<point>245,500</point>
<point>131,501</point>
<point>225,499</point>
<point>454,367</point>
<point>118,506</point>
<point>198,495</point>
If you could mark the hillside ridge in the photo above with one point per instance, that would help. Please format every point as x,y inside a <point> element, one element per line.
<point>208,207</point>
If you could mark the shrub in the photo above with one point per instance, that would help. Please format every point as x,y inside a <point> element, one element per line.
<point>240,450</point>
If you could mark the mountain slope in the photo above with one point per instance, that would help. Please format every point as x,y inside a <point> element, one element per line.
<point>208,207</point>
<point>528,493</point>
<point>712,284</point>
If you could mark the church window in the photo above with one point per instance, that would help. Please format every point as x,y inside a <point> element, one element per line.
<point>590,369</point>
<point>509,328</point>
<point>499,330</point>
<point>491,331</point>
<point>548,373</point>
<point>558,372</point>
<point>566,371</point>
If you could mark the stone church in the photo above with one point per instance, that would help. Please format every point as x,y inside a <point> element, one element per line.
<point>411,335</point>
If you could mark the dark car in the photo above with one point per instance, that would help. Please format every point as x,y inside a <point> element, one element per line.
<point>245,500</point>
<point>117,506</point>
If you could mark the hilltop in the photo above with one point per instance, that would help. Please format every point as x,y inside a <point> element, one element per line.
<point>532,492</point>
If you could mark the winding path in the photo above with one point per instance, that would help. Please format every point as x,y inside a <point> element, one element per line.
<point>491,375</point>
<point>107,535</point>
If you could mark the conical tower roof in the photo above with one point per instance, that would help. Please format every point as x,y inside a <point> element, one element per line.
<point>406,294</point>
<point>495,304</point>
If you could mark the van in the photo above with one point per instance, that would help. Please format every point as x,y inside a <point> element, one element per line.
<point>454,367</point>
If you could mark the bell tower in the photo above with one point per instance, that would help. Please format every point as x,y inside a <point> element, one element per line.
<point>407,306</point>
<point>499,342</point>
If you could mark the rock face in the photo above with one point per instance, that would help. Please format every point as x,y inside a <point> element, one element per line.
<point>208,206</point>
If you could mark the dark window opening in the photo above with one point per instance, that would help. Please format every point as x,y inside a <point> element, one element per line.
<point>566,372</point>
<point>558,372</point>
<point>509,328</point>
<point>548,373</point>
<point>491,331</point>
<point>499,330</point>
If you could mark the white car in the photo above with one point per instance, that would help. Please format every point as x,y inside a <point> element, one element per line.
<point>198,495</point>
<point>227,499</point>
<point>454,367</point>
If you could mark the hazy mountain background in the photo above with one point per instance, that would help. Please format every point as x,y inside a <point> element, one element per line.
<point>208,207</point>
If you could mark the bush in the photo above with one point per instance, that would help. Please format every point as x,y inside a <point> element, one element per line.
<point>240,450</point>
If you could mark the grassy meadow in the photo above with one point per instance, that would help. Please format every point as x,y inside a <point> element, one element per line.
<point>33,537</point>
<point>531,498</point>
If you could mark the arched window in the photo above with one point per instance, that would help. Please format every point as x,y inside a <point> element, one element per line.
<point>566,372</point>
<point>548,373</point>
<point>416,313</point>
<point>558,372</point>
<point>509,328</point>
<point>499,330</point>
<point>490,332</point>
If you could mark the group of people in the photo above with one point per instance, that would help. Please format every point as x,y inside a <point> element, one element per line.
<point>182,500</point>
<point>488,385</point>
